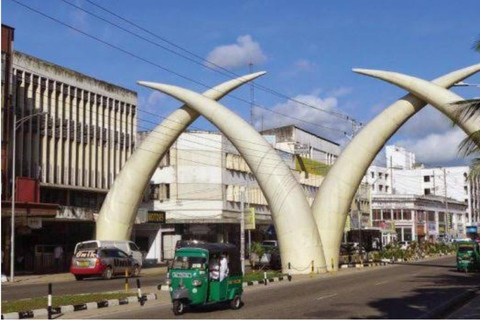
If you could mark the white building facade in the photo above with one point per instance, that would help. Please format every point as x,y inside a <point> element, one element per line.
<point>434,196</point>
<point>198,187</point>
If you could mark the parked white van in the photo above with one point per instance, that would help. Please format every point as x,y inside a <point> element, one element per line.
<point>129,247</point>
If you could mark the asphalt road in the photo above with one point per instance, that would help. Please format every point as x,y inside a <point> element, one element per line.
<point>398,291</point>
<point>24,291</point>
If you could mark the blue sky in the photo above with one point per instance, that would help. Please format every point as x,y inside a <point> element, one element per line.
<point>308,49</point>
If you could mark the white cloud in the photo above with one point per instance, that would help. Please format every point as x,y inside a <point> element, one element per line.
<point>312,118</point>
<point>427,121</point>
<point>341,91</point>
<point>435,148</point>
<point>239,54</point>
<point>305,65</point>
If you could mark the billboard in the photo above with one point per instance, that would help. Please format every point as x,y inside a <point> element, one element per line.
<point>250,219</point>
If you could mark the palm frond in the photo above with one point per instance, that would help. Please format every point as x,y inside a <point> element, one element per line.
<point>476,45</point>
<point>467,109</point>
<point>470,145</point>
<point>475,170</point>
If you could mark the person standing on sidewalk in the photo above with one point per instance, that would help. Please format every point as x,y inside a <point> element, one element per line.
<point>58,254</point>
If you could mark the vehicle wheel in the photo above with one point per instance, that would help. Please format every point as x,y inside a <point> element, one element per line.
<point>108,273</point>
<point>136,271</point>
<point>236,303</point>
<point>78,277</point>
<point>178,307</point>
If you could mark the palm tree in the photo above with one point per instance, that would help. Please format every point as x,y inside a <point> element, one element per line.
<point>470,145</point>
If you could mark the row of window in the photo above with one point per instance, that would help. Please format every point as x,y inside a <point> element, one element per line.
<point>380,175</point>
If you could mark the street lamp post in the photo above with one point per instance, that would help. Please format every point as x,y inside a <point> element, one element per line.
<point>16,125</point>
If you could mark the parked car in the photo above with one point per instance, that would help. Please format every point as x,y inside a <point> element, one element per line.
<point>104,262</point>
<point>129,247</point>
<point>270,243</point>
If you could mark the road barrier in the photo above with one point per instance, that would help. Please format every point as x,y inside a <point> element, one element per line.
<point>127,285</point>
<point>141,298</point>
<point>49,303</point>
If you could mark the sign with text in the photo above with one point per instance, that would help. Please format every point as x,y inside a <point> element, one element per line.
<point>250,219</point>
<point>156,217</point>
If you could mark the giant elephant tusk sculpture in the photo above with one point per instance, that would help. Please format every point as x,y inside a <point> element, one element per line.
<point>336,193</point>
<point>297,233</point>
<point>119,209</point>
<point>440,98</point>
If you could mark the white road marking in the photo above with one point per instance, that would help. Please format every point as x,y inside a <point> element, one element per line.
<point>329,296</point>
<point>381,282</point>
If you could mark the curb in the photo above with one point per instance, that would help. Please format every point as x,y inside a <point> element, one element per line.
<point>452,305</point>
<point>164,287</point>
<point>78,307</point>
<point>363,265</point>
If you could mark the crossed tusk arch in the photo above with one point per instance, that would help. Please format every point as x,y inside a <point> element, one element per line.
<point>297,241</point>
<point>118,212</point>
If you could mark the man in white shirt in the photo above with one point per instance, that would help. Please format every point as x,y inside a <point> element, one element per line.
<point>223,267</point>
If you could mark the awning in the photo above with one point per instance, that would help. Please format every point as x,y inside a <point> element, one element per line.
<point>30,209</point>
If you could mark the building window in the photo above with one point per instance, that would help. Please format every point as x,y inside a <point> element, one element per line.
<point>407,234</point>
<point>373,187</point>
<point>431,215</point>
<point>426,191</point>
<point>386,176</point>
<point>426,179</point>
<point>380,188</point>
<point>386,188</point>
<point>387,215</point>
<point>160,191</point>
<point>373,175</point>
<point>466,189</point>
<point>397,214</point>
<point>376,214</point>
<point>380,175</point>
<point>407,215</point>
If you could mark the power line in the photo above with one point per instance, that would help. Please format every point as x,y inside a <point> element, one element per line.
<point>216,68</point>
<point>167,69</point>
<point>165,134</point>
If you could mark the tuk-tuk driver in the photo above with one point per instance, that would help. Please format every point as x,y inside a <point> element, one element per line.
<point>214,268</point>
<point>223,266</point>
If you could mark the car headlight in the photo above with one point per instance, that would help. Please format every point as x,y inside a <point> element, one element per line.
<point>197,283</point>
<point>168,281</point>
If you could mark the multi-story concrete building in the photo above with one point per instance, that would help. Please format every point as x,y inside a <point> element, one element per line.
<point>67,158</point>
<point>417,218</point>
<point>442,191</point>
<point>199,185</point>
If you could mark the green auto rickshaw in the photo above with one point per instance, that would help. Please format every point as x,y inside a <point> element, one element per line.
<point>468,256</point>
<point>205,273</point>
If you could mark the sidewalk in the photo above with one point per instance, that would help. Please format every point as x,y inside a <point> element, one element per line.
<point>64,277</point>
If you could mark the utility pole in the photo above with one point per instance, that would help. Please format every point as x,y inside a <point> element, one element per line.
<point>391,175</point>
<point>242,229</point>
<point>447,216</point>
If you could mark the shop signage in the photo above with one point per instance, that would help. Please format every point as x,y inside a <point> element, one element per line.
<point>156,217</point>
<point>471,229</point>
<point>249,219</point>
<point>34,223</point>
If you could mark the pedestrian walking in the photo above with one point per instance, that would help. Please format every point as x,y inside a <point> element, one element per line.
<point>58,254</point>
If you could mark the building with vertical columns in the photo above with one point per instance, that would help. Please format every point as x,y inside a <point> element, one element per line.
<point>68,157</point>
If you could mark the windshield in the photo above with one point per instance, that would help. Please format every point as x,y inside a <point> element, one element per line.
<point>465,249</point>
<point>87,246</point>
<point>189,263</point>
